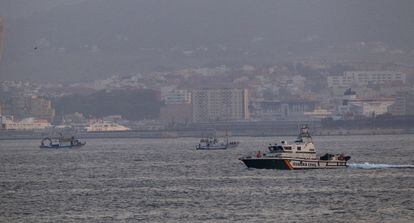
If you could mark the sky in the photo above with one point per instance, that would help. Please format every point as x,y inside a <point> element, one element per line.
<point>78,40</point>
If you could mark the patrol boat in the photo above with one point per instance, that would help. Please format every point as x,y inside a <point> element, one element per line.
<point>299,155</point>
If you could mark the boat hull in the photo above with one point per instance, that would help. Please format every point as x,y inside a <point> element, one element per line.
<point>292,164</point>
<point>216,147</point>
<point>232,145</point>
<point>211,147</point>
<point>57,146</point>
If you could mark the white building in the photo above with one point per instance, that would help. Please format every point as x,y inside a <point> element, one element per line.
<point>105,126</point>
<point>371,107</point>
<point>363,78</point>
<point>318,114</point>
<point>365,107</point>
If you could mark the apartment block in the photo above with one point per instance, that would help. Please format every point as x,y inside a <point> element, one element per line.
<point>211,105</point>
<point>364,78</point>
<point>404,103</point>
<point>178,97</point>
<point>22,107</point>
<point>1,35</point>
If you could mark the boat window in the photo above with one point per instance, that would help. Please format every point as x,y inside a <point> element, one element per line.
<point>299,148</point>
<point>288,148</point>
<point>276,148</point>
<point>280,148</point>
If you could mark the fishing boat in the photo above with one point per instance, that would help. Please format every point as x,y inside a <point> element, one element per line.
<point>213,143</point>
<point>61,142</point>
<point>299,155</point>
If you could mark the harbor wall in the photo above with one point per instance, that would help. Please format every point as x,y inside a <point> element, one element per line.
<point>14,135</point>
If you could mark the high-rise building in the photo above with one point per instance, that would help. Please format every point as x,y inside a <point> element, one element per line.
<point>220,105</point>
<point>1,35</point>
<point>404,103</point>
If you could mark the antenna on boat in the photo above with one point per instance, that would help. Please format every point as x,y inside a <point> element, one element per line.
<point>304,132</point>
<point>227,137</point>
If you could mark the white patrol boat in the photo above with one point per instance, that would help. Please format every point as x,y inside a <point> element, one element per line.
<point>299,155</point>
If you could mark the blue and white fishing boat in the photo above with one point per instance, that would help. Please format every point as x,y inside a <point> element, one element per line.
<point>61,142</point>
<point>213,143</point>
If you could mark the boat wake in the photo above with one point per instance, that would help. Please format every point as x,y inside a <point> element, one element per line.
<point>379,166</point>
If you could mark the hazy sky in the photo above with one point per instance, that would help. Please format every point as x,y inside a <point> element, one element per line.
<point>76,40</point>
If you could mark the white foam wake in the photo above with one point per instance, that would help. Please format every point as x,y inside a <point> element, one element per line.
<point>377,166</point>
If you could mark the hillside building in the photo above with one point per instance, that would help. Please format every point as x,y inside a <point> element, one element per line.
<point>364,78</point>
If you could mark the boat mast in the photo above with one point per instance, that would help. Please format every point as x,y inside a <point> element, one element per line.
<point>227,138</point>
<point>304,134</point>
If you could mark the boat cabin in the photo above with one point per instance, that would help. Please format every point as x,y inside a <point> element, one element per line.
<point>301,148</point>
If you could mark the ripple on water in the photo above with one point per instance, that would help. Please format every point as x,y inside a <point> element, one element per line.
<point>167,180</point>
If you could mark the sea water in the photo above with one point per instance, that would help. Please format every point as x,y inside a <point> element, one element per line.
<point>167,180</point>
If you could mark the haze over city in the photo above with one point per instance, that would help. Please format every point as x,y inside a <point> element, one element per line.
<point>83,40</point>
<point>206,111</point>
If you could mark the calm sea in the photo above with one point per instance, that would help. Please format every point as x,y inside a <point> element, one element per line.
<point>166,180</point>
